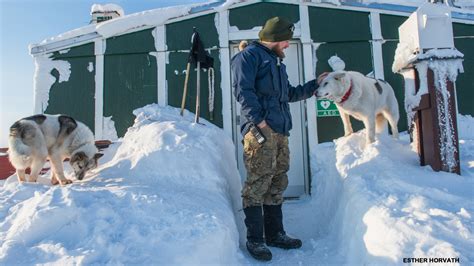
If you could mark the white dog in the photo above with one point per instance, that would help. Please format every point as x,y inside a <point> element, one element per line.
<point>370,100</point>
<point>34,139</point>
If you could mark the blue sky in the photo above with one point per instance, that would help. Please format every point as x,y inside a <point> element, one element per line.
<point>23,22</point>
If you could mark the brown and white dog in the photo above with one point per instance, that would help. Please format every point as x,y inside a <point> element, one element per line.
<point>370,100</point>
<point>36,138</point>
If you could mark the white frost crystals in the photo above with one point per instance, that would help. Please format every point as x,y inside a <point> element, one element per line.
<point>444,70</point>
<point>44,80</point>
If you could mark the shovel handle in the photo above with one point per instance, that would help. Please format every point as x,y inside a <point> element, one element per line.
<point>185,89</point>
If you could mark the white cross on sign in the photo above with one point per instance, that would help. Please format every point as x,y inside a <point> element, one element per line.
<point>326,108</point>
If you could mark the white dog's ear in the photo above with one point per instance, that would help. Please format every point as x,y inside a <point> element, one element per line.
<point>339,76</point>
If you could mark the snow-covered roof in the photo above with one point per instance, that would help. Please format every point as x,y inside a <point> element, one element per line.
<point>155,17</point>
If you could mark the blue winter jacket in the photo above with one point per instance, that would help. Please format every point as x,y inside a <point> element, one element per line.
<point>261,86</point>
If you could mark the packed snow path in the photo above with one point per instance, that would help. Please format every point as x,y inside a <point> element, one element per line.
<point>169,193</point>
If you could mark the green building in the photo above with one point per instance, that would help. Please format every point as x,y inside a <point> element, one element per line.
<point>100,73</point>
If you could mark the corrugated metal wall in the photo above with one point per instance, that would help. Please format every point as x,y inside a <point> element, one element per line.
<point>75,97</point>
<point>130,77</point>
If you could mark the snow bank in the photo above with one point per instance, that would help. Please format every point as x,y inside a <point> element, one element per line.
<point>168,195</point>
<point>392,208</point>
<point>465,127</point>
<point>169,192</point>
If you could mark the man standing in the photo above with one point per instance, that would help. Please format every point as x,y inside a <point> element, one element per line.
<point>262,88</point>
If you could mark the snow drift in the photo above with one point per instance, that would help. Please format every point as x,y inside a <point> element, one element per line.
<point>169,193</point>
<point>164,198</point>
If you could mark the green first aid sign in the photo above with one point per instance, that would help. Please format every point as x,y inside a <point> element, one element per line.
<point>326,108</point>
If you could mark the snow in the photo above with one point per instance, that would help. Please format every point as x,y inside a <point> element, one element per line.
<point>336,63</point>
<point>166,201</point>
<point>107,8</point>
<point>90,67</point>
<point>109,131</point>
<point>396,2</point>
<point>141,19</point>
<point>169,193</point>
<point>43,79</point>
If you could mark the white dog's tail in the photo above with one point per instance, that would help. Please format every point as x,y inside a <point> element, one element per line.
<point>17,149</point>
<point>380,123</point>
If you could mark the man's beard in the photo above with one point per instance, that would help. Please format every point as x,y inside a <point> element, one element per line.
<point>279,52</point>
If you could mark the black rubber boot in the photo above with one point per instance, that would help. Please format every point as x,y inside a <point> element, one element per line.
<point>255,243</point>
<point>275,236</point>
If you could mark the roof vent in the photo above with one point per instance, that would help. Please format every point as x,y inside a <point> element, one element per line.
<point>105,12</point>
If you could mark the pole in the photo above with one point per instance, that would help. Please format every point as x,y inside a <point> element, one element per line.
<point>198,92</point>
<point>185,89</point>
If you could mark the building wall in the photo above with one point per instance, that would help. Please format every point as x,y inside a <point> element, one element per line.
<point>75,97</point>
<point>389,26</point>
<point>130,77</point>
<point>178,41</point>
<point>130,65</point>
<point>248,17</point>
<point>464,42</point>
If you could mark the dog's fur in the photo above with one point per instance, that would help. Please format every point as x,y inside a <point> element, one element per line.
<point>243,44</point>
<point>372,101</point>
<point>36,138</point>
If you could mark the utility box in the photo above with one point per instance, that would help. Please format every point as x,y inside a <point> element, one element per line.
<point>428,27</point>
<point>429,63</point>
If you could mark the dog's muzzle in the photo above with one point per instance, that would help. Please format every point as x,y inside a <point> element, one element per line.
<point>80,175</point>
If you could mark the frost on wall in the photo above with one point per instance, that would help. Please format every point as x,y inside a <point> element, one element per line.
<point>109,131</point>
<point>90,67</point>
<point>43,79</point>
<point>445,70</point>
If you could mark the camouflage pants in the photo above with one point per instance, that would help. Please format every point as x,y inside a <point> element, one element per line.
<point>266,166</point>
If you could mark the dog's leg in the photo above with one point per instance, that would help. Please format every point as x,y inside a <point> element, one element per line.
<point>392,120</point>
<point>346,121</point>
<point>380,124</point>
<point>21,175</point>
<point>54,179</point>
<point>369,124</point>
<point>36,167</point>
<point>58,171</point>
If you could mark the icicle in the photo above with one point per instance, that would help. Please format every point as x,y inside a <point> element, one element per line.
<point>412,99</point>
<point>210,80</point>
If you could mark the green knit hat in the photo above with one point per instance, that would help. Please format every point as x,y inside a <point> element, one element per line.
<point>276,29</point>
